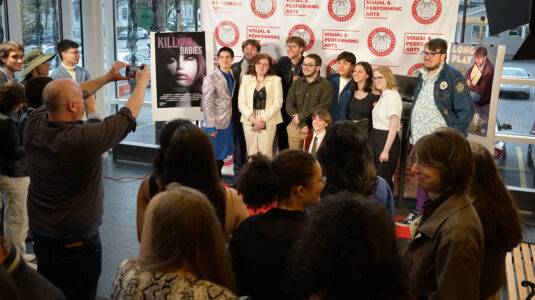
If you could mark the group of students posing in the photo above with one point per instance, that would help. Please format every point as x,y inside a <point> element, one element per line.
<point>248,103</point>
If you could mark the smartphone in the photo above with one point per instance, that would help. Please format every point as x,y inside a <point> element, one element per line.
<point>132,70</point>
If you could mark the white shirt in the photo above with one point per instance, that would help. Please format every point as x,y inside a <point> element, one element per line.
<point>389,104</point>
<point>343,83</point>
<point>318,142</point>
<point>70,70</point>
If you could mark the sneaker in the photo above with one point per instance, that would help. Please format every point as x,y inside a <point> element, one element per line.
<point>28,257</point>
<point>409,219</point>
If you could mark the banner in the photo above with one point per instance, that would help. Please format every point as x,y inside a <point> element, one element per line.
<point>384,33</point>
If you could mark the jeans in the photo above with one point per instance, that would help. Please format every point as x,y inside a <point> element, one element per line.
<point>16,211</point>
<point>72,264</point>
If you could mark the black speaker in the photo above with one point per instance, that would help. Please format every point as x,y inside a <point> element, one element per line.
<point>505,15</point>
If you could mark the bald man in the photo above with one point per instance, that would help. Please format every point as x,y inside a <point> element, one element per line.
<point>65,195</point>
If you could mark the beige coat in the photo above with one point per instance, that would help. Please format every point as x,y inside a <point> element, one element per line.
<point>272,113</point>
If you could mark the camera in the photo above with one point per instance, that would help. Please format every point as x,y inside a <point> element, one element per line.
<point>132,70</point>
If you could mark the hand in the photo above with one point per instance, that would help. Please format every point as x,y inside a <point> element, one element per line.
<point>113,74</point>
<point>213,134</point>
<point>304,130</point>
<point>468,82</point>
<point>383,157</point>
<point>295,119</point>
<point>143,75</point>
<point>295,78</point>
<point>91,104</point>
<point>260,124</point>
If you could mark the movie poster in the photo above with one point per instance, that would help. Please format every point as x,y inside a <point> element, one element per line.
<point>476,63</point>
<point>180,68</point>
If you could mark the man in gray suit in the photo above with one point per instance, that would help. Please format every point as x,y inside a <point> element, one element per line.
<point>70,56</point>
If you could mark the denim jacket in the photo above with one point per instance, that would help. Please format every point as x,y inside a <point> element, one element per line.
<point>452,98</point>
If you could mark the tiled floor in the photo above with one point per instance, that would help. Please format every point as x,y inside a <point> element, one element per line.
<point>118,230</point>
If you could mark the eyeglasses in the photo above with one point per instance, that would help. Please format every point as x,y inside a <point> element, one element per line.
<point>74,52</point>
<point>430,54</point>
<point>378,78</point>
<point>308,66</point>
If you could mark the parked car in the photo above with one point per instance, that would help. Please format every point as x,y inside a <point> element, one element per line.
<point>142,33</point>
<point>140,58</point>
<point>512,89</point>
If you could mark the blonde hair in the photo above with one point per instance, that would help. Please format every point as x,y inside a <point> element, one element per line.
<point>391,82</point>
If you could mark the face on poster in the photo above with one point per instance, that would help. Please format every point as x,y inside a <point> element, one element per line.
<point>476,63</point>
<point>180,68</point>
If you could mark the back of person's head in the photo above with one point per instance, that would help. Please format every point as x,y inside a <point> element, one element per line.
<point>34,90</point>
<point>347,56</point>
<point>190,161</point>
<point>346,159</point>
<point>7,47</point>
<point>195,243</point>
<point>65,45</point>
<point>347,251</point>
<point>158,161</point>
<point>262,181</point>
<point>8,286</point>
<point>11,95</point>
<point>493,202</point>
<point>448,151</point>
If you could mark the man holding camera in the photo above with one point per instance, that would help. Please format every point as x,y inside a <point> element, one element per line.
<point>65,196</point>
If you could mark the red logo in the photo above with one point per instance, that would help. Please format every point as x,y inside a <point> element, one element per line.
<point>263,8</point>
<point>426,11</point>
<point>227,34</point>
<point>341,10</point>
<point>381,41</point>
<point>305,33</point>
<point>331,68</point>
<point>413,71</point>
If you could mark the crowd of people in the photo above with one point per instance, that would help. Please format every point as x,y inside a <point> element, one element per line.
<point>318,154</point>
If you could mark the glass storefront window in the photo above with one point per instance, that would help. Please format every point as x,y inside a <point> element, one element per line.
<point>40,26</point>
<point>3,27</point>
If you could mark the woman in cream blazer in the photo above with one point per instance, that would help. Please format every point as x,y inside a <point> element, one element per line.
<point>260,102</point>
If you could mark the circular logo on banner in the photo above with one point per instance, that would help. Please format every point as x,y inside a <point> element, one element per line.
<point>305,33</point>
<point>381,41</point>
<point>331,68</point>
<point>227,34</point>
<point>413,71</point>
<point>426,11</point>
<point>341,10</point>
<point>263,8</point>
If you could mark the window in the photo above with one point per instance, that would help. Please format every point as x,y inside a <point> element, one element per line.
<point>3,27</point>
<point>515,33</point>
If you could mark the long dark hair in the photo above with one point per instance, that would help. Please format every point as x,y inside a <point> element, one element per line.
<point>493,202</point>
<point>158,161</point>
<point>262,181</point>
<point>347,251</point>
<point>346,160</point>
<point>369,81</point>
<point>196,244</point>
<point>190,161</point>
